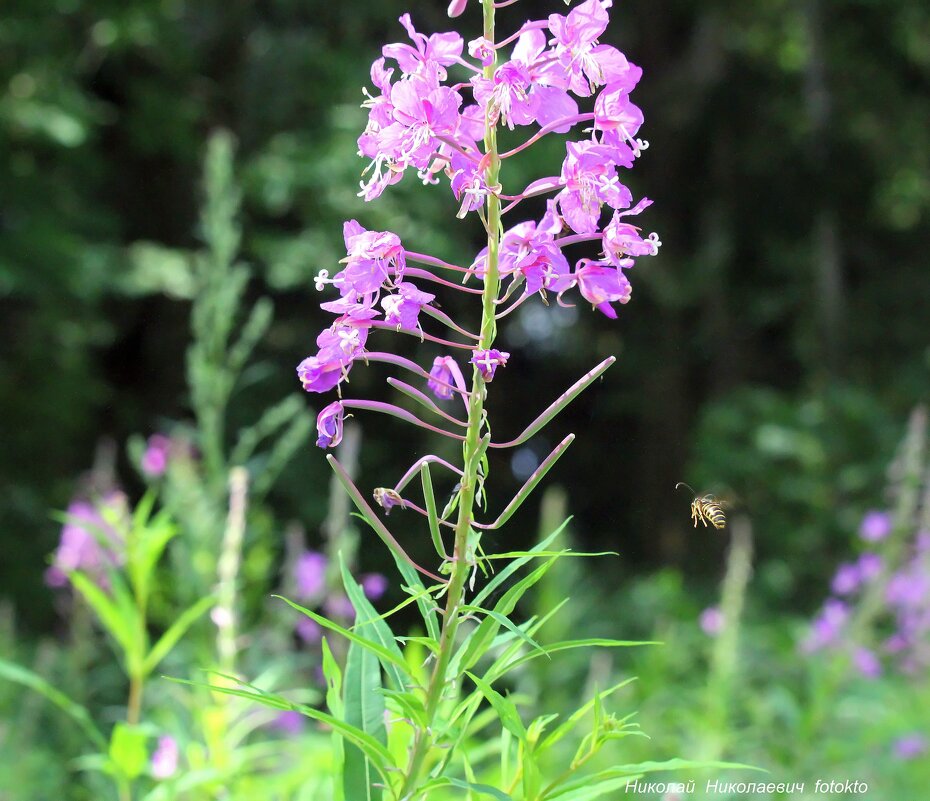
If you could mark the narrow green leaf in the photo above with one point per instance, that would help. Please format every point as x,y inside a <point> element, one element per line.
<point>175,631</point>
<point>505,621</point>
<point>567,645</point>
<point>589,790</point>
<point>505,708</point>
<point>369,625</point>
<point>481,789</point>
<point>533,481</point>
<point>251,332</point>
<point>429,497</point>
<point>413,596</point>
<point>364,710</point>
<point>475,644</point>
<point>376,751</point>
<point>500,665</point>
<point>333,676</point>
<point>118,621</point>
<point>151,541</point>
<point>425,602</point>
<point>379,650</point>
<point>541,554</point>
<point>26,678</point>
<point>411,704</point>
<point>515,565</point>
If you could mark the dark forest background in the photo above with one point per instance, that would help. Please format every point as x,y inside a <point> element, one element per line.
<point>771,351</point>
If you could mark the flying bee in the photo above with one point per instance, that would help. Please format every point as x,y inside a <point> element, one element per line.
<point>706,509</point>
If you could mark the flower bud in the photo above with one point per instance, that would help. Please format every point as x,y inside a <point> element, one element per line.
<point>456,7</point>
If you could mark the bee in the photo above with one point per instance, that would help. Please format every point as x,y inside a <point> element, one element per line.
<point>706,509</point>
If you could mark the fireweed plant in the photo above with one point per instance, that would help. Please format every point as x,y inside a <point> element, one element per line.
<point>402,735</point>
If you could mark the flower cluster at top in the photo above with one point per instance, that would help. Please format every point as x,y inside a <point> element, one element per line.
<point>905,596</point>
<point>431,112</point>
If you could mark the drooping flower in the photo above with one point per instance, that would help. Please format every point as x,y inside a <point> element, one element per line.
<point>482,50</point>
<point>623,241</point>
<point>444,375</point>
<point>310,575</point>
<point>601,284</point>
<point>403,308</point>
<point>164,762</point>
<point>329,424</point>
<point>487,362</point>
<point>339,345</point>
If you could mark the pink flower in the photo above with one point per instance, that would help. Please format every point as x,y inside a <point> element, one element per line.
<point>428,53</point>
<point>403,308</point>
<point>444,375</point>
<point>910,746</point>
<point>289,722</point>
<point>847,579</point>
<point>164,763</point>
<point>587,64</point>
<point>827,625</point>
<point>602,285</point>
<point>329,424</point>
<point>309,630</point>
<point>487,362</point>
<point>92,540</point>
<point>711,621</point>
<point>589,176</point>
<point>155,459</point>
<point>875,526</point>
<point>867,663</point>
<point>623,241</point>
<point>310,574</point>
<point>374,585</point>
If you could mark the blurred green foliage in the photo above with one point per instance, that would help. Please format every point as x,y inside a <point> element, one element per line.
<point>766,348</point>
<point>770,351</point>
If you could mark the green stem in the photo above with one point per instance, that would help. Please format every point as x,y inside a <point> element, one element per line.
<point>134,704</point>
<point>461,564</point>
